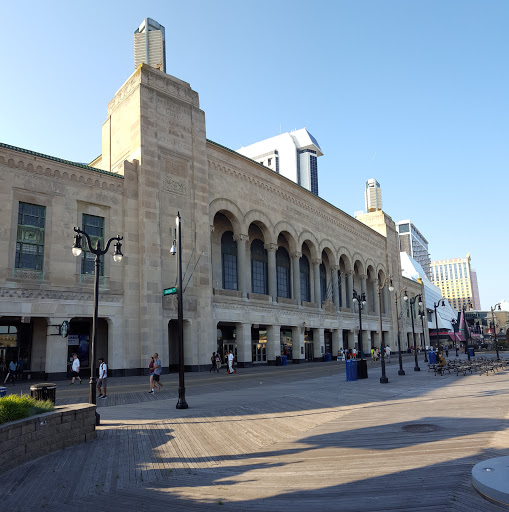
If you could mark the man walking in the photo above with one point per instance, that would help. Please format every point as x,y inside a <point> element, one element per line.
<point>75,372</point>
<point>388,353</point>
<point>103,377</point>
<point>157,372</point>
<point>230,362</point>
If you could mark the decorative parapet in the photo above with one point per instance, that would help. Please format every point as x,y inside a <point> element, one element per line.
<point>259,297</point>
<point>284,300</point>
<point>227,293</point>
<point>25,274</point>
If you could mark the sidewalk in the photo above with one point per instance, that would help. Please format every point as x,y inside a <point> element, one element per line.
<point>280,438</point>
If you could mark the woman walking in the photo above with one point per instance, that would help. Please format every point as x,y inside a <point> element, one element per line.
<point>151,366</point>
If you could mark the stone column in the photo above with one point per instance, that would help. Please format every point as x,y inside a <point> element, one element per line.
<point>56,350</point>
<point>316,275</point>
<point>343,289</point>
<point>244,349</point>
<point>318,343</point>
<point>296,276</point>
<point>335,343</point>
<point>242,264</point>
<point>363,279</point>
<point>298,344</point>
<point>375,295</point>
<point>273,343</point>
<point>335,287</point>
<point>271,268</point>
<point>349,278</point>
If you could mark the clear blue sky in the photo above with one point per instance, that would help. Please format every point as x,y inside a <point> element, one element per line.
<point>412,93</point>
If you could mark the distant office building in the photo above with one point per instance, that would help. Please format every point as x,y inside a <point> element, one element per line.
<point>292,154</point>
<point>414,244</point>
<point>456,280</point>
<point>373,196</point>
<point>149,45</point>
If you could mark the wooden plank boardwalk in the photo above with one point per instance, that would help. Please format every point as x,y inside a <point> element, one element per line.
<point>310,442</point>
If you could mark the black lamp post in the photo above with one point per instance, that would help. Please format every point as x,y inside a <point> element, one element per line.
<point>117,257</point>
<point>181,404</point>
<point>493,309</point>
<point>396,295</point>
<point>422,314</point>
<point>467,330</point>
<point>412,303</point>
<point>435,306</point>
<point>380,286</point>
<point>453,323</point>
<point>362,367</point>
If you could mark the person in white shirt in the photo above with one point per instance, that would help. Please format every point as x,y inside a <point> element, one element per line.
<point>103,377</point>
<point>388,353</point>
<point>75,369</point>
<point>230,362</point>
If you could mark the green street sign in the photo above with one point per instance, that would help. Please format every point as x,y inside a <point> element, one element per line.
<point>170,291</point>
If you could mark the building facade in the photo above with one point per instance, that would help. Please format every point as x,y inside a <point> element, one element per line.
<point>270,267</point>
<point>414,244</point>
<point>293,155</point>
<point>455,280</point>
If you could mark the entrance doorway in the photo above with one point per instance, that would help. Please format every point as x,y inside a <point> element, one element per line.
<point>308,346</point>
<point>226,340</point>
<point>259,344</point>
<point>286,342</point>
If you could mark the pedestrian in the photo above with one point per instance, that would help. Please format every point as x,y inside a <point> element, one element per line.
<point>151,374</point>
<point>373,355</point>
<point>354,353</point>
<point>19,371</point>
<point>218,362</point>
<point>230,362</point>
<point>213,361</point>
<point>103,377</point>
<point>157,372</point>
<point>12,372</point>
<point>75,372</point>
<point>388,353</point>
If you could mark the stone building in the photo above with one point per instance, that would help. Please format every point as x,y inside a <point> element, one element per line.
<point>270,267</point>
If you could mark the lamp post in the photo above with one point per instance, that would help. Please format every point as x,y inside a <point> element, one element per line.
<point>467,330</point>
<point>435,306</point>
<point>453,323</point>
<point>412,303</point>
<point>396,295</point>
<point>493,309</point>
<point>362,367</point>
<point>117,257</point>
<point>176,248</point>
<point>422,314</point>
<point>380,286</point>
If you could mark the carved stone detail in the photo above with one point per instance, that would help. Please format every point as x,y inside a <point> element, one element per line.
<point>227,293</point>
<point>28,275</point>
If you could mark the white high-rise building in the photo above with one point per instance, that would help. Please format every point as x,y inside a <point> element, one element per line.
<point>412,241</point>
<point>292,154</point>
<point>373,196</point>
<point>149,45</point>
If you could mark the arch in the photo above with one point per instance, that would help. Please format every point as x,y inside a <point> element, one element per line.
<point>370,263</point>
<point>357,258</point>
<point>229,209</point>
<point>327,246</point>
<point>312,243</point>
<point>261,220</point>
<point>344,253</point>
<point>284,226</point>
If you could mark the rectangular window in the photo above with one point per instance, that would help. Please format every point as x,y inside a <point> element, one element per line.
<point>30,236</point>
<point>94,227</point>
<point>259,277</point>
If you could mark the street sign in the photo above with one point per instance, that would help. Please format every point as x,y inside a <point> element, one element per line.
<point>170,291</point>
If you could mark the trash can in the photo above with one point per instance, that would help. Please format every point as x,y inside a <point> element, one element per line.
<point>328,356</point>
<point>432,356</point>
<point>471,351</point>
<point>362,369</point>
<point>351,369</point>
<point>283,360</point>
<point>45,391</point>
<point>3,391</point>
<point>278,360</point>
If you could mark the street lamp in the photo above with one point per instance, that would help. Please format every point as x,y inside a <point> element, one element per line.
<point>467,330</point>
<point>396,295</point>
<point>412,302</point>
<point>117,257</point>
<point>494,308</point>
<point>362,367</point>
<point>380,286</point>
<point>422,314</point>
<point>176,248</point>
<point>453,323</point>
<point>435,306</point>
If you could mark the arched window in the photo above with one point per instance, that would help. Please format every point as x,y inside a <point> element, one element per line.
<point>259,282</point>
<point>283,273</point>
<point>229,261</point>
<point>304,279</point>
<point>323,282</point>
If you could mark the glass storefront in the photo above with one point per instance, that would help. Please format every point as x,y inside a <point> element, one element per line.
<point>286,343</point>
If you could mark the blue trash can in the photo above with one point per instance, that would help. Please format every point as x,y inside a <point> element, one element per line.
<point>351,370</point>
<point>3,391</point>
<point>328,356</point>
<point>471,351</point>
<point>283,360</point>
<point>432,356</point>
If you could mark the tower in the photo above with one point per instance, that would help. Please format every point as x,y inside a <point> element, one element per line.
<point>373,196</point>
<point>149,45</point>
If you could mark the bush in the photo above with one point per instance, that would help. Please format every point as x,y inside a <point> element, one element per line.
<point>16,407</point>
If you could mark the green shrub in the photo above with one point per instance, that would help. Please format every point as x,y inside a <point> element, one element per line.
<point>16,407</point>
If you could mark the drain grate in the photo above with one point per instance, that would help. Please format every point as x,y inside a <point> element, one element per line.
<point>420,428</point>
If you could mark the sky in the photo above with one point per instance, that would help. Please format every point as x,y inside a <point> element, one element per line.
<point>412,93</point>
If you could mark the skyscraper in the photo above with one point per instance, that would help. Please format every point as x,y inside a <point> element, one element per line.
<point>414,244</point>
<point>457,281</point>
<point>292,154</point>
<point>373,196</point>
<point>149,45</point>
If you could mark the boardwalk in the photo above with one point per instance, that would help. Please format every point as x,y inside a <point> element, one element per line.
<point>279,439</point>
